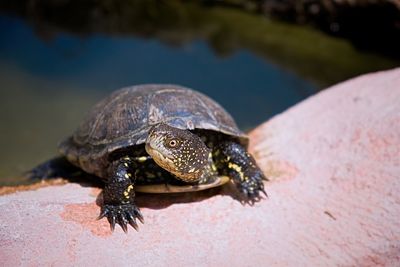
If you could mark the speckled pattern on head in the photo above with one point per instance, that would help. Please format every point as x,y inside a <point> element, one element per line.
<point>125,117</point>
<point>180,152</point>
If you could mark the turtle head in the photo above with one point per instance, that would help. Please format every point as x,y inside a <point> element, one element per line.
<point>178,151</point>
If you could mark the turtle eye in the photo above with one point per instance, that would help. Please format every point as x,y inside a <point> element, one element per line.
<point>172,143</point>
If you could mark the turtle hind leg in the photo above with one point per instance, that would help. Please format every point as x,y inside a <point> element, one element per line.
<point>233,160</point>
<point>58,167</point>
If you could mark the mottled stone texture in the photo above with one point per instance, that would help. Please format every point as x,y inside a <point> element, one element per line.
<point>334,199</point>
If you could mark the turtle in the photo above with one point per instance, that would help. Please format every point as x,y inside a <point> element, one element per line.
<point>159,138</point>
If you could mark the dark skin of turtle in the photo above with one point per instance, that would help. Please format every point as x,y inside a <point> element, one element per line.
<point>153,134</point>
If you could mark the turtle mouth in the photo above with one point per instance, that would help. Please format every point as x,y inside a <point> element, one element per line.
<point>168,164</point>
<point>154,152</point>
<point>154,146</point>
<point>161,159</point>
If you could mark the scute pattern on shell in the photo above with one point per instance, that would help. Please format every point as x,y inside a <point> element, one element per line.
<point>125,117</point>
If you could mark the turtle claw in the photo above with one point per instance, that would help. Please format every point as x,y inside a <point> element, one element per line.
<point>111,220</point>
<point>263,191</point>
<point>123,215</point>
<point>123,224</point>
<point>103,213</point>
<point>132,222</point>
<point>252,187</point>
<point>140,216</point>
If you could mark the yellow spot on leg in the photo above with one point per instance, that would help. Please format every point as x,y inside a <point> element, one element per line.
<point>213,167</point>
<point>127,191</point>
<point>142,159</point>
<point>236,168</point>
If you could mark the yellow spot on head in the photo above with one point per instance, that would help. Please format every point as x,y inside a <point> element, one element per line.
<point>127,175</point>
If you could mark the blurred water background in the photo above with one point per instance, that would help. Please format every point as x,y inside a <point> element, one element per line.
<point>58,58</point>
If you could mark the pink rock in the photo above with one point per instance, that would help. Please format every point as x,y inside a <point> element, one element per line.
<point>334,199</point>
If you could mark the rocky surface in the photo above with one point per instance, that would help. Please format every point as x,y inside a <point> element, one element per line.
<point>334,200</point>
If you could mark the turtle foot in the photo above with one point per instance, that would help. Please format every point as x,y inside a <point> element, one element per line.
<point>252,187</point>
<point>123,215</point>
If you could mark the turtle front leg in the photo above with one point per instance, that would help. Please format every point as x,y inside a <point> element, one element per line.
<point>119,196</point>
<point>233,160</point>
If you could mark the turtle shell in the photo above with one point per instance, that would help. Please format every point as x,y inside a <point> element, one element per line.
<point>124,118</point>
